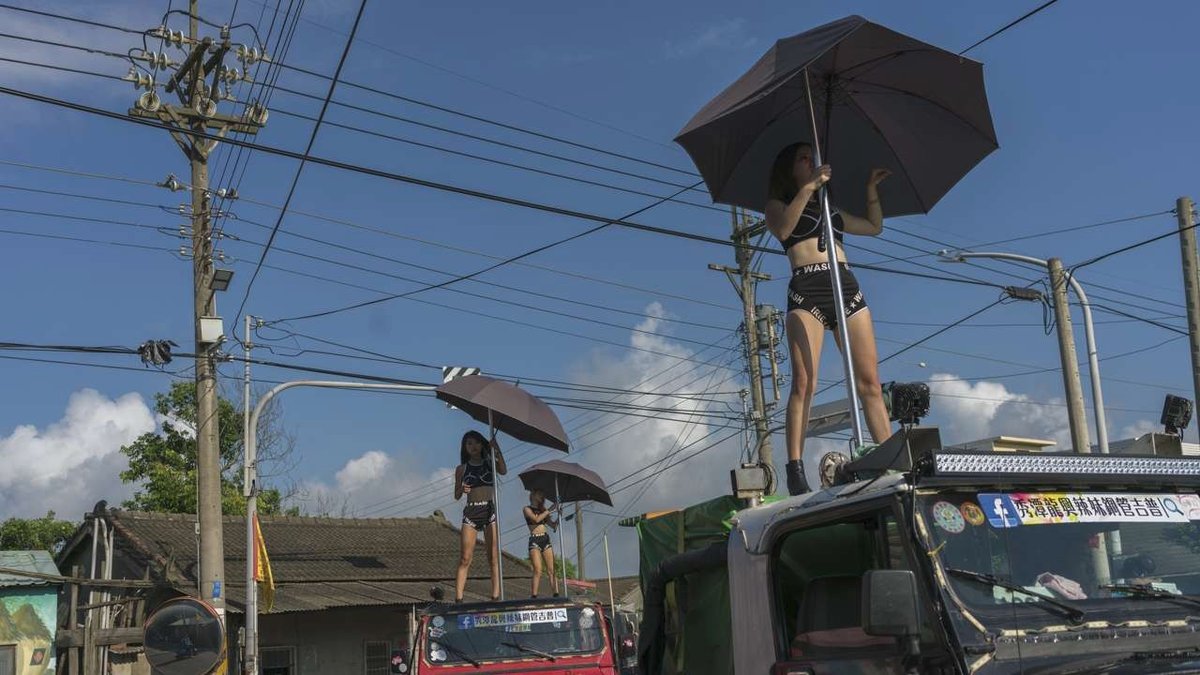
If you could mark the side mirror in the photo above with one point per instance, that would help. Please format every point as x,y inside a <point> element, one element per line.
<point>889,603</point>
<point>399,661</point>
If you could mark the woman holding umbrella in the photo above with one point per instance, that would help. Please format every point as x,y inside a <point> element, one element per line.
<point>793,215</point>
<point>474,478</point>
<point>541,550</point>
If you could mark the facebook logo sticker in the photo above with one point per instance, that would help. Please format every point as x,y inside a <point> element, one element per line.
<point>999,510</point>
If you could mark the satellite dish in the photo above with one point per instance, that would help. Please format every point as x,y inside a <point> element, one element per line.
<point>184,637</point>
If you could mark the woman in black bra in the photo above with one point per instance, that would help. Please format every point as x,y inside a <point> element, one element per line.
<point>541,550</point>
<point>474,478</point>
<point>793,214</point>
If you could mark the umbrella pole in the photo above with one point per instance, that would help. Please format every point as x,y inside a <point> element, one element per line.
<point>612,603</point>
<point>561,542</point>
<point>496,504</point>
<point>836,273</point>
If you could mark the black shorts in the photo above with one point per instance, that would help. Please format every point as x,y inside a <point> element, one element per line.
<point>479,514</point>
<point>540,542</point>
<point>811,290</point>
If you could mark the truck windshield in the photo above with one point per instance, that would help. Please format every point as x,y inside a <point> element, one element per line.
<point>1067,557</point>
<point>536,634</point>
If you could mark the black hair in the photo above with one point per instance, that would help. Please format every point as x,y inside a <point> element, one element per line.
<point>462,448</point>
<point>783,173</point>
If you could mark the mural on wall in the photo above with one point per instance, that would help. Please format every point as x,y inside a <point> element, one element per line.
<point>26,621</point>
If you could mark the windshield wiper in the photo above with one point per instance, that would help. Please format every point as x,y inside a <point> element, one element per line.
<point>459,653</point>
<point>1071,612</point>
<point>1148,591</point>
<point>529,650</point>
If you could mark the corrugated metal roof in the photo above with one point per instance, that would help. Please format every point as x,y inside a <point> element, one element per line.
<point>28,561</point>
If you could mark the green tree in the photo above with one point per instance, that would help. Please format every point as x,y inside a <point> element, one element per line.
<point>35,534</point>
<point>572,572</point>
<point>163,464</point>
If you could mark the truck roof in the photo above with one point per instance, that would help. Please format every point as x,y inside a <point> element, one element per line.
<point>936,467</point>
<point>501,605</point>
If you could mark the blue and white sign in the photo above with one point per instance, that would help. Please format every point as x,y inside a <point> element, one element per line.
<point>999,509</point>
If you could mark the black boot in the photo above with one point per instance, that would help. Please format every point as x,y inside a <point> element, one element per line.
<point>795,478</point>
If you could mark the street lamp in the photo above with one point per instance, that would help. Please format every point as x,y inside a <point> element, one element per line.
<point>1089,331</point>
<point>250,488</point>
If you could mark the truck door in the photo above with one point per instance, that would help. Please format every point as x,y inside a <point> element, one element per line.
<point>817,571</point>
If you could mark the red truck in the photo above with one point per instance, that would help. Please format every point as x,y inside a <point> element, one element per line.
<point>548,636</point>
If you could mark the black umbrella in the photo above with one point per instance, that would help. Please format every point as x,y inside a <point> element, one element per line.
<point>504,407</point>
<point>869,97</point>
<point>879,98</point>
<point>568,482</point>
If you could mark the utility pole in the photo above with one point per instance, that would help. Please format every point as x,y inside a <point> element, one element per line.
<point>1070,365</point>
<point>250,490</point>
<point>745,280</point>
<point>197,114</point>
<point>1185,212</point>
<point>578,544</point>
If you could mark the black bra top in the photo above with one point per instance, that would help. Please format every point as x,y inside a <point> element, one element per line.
<point>477,475</point>
<point>536,512</point>
<point>809,226</point>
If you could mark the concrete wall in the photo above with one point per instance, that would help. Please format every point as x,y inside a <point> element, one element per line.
<point>332,642</point>
<point>28,620</point>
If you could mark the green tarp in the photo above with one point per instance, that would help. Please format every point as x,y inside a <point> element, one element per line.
<point>698,630</point>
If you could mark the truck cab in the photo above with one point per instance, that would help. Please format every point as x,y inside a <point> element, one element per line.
<point>960,562</point>
<point>550,636</point>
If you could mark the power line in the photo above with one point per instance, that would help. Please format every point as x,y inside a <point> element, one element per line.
<point>395,235</point>
<point>426,104</point>
<point>304,159</point>
<point>465,277</point>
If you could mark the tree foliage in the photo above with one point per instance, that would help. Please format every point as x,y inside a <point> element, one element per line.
<point>162,464</point>
<point>35,534</point>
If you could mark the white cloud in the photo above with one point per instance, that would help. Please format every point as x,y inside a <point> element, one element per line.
<point>377,484</point>
<point>73,463</point>
<point>649,441</point>
<point>726,35</point>
<point>967,412</point>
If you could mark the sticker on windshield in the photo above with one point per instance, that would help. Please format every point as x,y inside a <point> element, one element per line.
<point>999,510</point>
<point>439,621</point>
<point>1049,508</point>
<point>947,517</point>
<point>972,514</point>
<point>495,619</point>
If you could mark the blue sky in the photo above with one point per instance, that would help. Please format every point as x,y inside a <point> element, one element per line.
<point>1090,105</point>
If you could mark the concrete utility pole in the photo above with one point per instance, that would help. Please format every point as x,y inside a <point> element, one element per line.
<point>250,490</point>
<point>1070,364</point>
<point>745,280</point>
<point>1185,212</point>
<point>197,113</point>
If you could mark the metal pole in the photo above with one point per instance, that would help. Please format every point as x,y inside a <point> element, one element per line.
<point>1184,211</point>
<point>1070,365</point>
<point>496,505</point>
<point>250,491</point>
<point>612,603</point>
<point>1089,336</point>
<point>835,273</point>
<point>579,542</point>
<point>561,541</point>
<point>250,464</point>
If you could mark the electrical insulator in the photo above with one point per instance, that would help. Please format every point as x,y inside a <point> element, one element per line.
<point>159,60</point>
<point>185,252</point>
<point>149,101</point>
<point>256,113</point>
<point>171,183</point>
<point>206,106</point>
<point>183,209</point>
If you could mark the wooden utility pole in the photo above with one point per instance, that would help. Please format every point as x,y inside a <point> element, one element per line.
<point>1185,212</point>
<point>197,114</point>
<point>745,281</point>
<point>1076,413</point>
